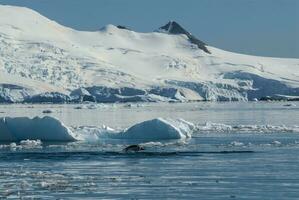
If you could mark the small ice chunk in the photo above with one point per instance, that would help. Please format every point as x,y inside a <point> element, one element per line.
<point>31,143</point>
<point>12,145</point>
<point>237,143</point>
<point>209,126</point>
<point>276,142</point>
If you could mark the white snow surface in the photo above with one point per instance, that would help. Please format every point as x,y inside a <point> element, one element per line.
<point>38,56</point>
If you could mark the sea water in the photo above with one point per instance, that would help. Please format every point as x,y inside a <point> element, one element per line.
<point>239,150</point>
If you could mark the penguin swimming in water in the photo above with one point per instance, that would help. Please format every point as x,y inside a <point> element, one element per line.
<point>133,148</point>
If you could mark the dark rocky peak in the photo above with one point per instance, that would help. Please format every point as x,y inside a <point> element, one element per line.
<point>123,27</point>
<point>174,28</point>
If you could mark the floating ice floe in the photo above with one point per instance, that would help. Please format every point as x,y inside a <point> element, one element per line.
<point>24,144</point>
<point>219,128</point>
<point>92,106</point>
<point>31,143</point>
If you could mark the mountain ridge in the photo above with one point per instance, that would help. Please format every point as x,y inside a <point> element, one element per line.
<point>172,27</point>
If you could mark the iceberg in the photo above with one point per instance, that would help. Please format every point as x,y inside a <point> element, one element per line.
<point>27,131</point>
<point>159,129</point>
<point>44,129</point>
<point>49,129</point>
<point>147,131</point>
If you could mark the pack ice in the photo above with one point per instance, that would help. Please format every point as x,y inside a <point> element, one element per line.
<point>43,61</point>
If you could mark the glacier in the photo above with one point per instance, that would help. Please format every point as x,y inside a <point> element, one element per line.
<point>42,61</point>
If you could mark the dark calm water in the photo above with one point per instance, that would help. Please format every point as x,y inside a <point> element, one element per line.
<point>218,163</point>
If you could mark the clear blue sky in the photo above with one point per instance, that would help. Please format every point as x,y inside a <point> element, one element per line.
<point>258,27</point>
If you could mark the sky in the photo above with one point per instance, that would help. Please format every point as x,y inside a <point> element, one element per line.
<point>256,27</point>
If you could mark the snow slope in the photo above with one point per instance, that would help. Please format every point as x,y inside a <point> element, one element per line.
<point>43,61</point>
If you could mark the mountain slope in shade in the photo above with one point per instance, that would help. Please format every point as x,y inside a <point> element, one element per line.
<point>43,61</point>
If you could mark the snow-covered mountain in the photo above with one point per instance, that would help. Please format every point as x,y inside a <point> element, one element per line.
<point>43,61</point>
